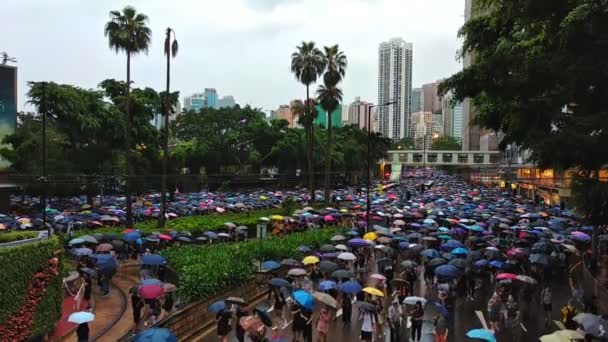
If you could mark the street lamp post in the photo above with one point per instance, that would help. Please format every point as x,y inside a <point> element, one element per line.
<point>369,135</point>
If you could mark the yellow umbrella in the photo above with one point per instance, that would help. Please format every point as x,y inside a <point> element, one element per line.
<point>370,236</point>
<point>263,198</point>
<point>343,210</point>
<point>310,260</point>
<point>277,217</point>
<point>373,291</point>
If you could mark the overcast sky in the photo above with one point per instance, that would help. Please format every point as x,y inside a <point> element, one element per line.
<point>239,47</point>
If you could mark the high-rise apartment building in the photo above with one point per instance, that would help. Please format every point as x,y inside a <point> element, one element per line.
<point>470,133</point>
<point>395,84</point>
<point>208,99</point>
<point>357,113</point>
<point>431,101</point>
<point>457,121</point>
<point>417,100</point>
<point>284,113</point>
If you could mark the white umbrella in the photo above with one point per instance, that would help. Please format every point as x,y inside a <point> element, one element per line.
<point>341,247</point>
<point>347,256</point>
<point>412,300</point>
<point>81,317</point>
<point>297,272</point>
<point>399,223</point>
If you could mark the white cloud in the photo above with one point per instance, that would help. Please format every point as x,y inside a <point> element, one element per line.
<point>240,47</point>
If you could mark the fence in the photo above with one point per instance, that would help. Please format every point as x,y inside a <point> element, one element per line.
<point>194,319</point>
<point>591,286</point>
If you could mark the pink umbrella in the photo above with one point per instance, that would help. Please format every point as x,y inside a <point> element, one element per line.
<point>164,237</point>
<point>503,276</point>
<point>128,230</point>
<point>377,276</point>
<point>328,218</point>
<point>151,291</point>
<point>97,223</point>
<point>220,210</point>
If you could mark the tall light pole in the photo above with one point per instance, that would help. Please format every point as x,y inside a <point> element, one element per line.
<point>42,109</point>
<point>369,135</point>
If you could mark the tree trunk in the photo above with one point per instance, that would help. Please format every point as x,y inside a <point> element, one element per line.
<point>163,187</point>
<point>310,149</point>
<point>328,159</point>
<point>129,158</point>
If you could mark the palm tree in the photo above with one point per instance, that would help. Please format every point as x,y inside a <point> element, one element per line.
<point>329,95</point>
<point>307,64</point>
<point>127,31</point>
<point>170,51</point>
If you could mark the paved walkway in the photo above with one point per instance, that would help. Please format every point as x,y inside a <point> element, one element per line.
<point>113,314</point>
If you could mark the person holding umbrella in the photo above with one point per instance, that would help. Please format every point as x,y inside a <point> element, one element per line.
<point>417,315</point>
<point>323,321</point>
<point>298,322</point>
<point>369,323</point>
<point>347,309</point>
<point>395,314</point>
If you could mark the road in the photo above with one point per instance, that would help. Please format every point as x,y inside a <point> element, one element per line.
<point>461,320</point>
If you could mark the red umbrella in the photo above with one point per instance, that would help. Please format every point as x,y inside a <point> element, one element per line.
<point>128,230</point>
<point>503,276</point>
<point>164,237</point>
<point>151,291</point>
<point>252,325</point>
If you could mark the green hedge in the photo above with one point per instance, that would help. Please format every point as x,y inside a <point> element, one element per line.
<point>206,270</point>
<point>194,224</point>
<point>14,236</point>
<point>19,264</point>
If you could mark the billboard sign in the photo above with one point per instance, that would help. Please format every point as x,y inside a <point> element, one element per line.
<point>8,104</point>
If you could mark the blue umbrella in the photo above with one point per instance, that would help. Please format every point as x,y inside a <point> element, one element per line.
<point>76,241</point>
<point>481,334</point>
<point>153,259</point>
<point>404,245</point>
<point>482,263</point>
<point>327,285</point>
<point>156,335</point>
<point>451,244</point>
<point>81,317</point>
<point>447,271</point>
<point>304,299</point>
<point>279,282</point>
<point>430,253</point>
<point>132,236</point>
<point>497,264</point>
<point>211,235</point>
<point>151,281</point>
<point>474,228</point>
<point>440,308</point>
<point>358,243</point>
<point>460,250</point>
<point>82,251</point>
<point>270,265</point>
<point>105,263</point>
<point>217,306</point>
<point>304,249</point>
<point>350,287</point>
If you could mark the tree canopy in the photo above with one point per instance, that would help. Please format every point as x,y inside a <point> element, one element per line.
<point>446,143</point>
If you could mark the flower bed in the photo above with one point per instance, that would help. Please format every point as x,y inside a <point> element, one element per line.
<point>31,297</point>
<point>205,270</point>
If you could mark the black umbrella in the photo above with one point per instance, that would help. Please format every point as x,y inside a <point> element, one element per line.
<point>436,262</point>
<point>327,266</point>
<point>262,313</point>
<point>460,263</point>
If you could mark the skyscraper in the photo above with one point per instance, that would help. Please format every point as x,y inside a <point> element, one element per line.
<point>457,121</point>
<point>226,101</point>
<point>194,102</point>
<point>416,100</point>
<point>395,84</point>
<point>431,101</point>
<point>470,132</point>
<point>211,98</point>
<point>357,113</point>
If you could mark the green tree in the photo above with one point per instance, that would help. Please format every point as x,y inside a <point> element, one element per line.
<point>127,31</point>
<point>539,77</point>
<point>307,64</point>
<point>170,50</point>
<point>446,143</point>
<point>330,96</point>
<point>404,144</point>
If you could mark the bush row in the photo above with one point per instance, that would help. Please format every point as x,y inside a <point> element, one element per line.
<point>15,236</point>
<point>205,270</point>
<point>19,264</point>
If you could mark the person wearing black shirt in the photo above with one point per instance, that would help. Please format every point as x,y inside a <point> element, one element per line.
<point>82,332</point>
<point>223,324</point>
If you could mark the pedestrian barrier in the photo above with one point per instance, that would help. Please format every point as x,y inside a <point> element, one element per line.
<point>194,319</point>
<point>591,285</point>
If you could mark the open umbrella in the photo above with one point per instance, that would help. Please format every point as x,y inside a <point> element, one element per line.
<point>325,299</point>
<point>481,334</point>
<point>270,265</point>
<point>217,306</point>
<point>447,271</point>
<point>310,260</point>
<point>527,279</point>
<point>156,335</point>
<point>503,276</point>
<point>296,272</point>
<point>262,313</point>
<point>154,260</point>
<point>279,282</point>
<point>327,266</point>
<point>81,317</point>
<point>82,251</point>
<point>304,299</point>
<point>350,287</point>
<point>253,326</point>
<point>562,336</point>
<point>373,291</point>
<point>366,306</point>
<point>151,291</point>
<point>327,285</point>
<point>593,325</point>
<point>412,300</point>
<point>347,256</point>
<point>291,263</point>
<point>236,300</point>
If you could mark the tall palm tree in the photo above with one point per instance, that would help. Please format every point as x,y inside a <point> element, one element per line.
<point>329,95</point>
<point>170,51</point>
<point>307,64</point>
<point>127,31</point>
